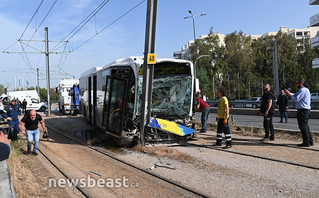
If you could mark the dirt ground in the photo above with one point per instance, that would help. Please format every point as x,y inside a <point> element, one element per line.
<point>213,171</point>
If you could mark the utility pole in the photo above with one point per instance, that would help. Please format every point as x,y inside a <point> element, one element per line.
<point>148,69</point>
<point>38,87</point>
<point>47,68</point>
<point>249,89</point>
<point>47,61</point>
<point>275,67</point>
<point>228,86</point>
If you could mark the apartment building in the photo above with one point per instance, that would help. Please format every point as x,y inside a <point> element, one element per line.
<point>299,34</point>
<point>314,21</point>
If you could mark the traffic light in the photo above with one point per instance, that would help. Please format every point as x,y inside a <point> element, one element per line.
<point>219,55</point>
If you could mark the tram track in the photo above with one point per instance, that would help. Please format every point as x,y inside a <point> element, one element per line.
<point>174,183</point>
<point>67,176</point>
<point>254,156</point>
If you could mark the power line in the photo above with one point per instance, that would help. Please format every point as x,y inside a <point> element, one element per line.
<point>109,25</point>
<point>36,11</point>
<point>83,23</point>
<point>36,30</point>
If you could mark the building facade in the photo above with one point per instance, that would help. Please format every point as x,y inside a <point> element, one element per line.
<point>300,34</point>
<point>314,21</point>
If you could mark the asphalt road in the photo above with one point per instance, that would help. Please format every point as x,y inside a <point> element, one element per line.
<point>257,121</point>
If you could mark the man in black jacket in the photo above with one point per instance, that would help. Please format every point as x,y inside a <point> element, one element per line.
<point>282,102</point>
<point>268,108</point>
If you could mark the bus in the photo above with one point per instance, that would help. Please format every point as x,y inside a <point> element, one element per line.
<point>111,97</point>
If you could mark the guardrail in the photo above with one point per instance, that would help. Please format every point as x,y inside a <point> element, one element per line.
<point>292,112</point>
<point>256,104</point>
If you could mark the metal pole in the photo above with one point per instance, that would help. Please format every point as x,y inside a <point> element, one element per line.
<point>148,70</point>
<point>194,36</point>
<point>228,86</point>
<point>249,89</point>
<point>47,67</point>
<point>275,67</point>
<point>238,88</point>
<point>214,97</point>
<point>38,88</point>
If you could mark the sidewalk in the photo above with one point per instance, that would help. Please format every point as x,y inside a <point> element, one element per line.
<point>6,188</point>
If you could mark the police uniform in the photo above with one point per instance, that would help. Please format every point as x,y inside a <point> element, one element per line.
<point>13,111</point>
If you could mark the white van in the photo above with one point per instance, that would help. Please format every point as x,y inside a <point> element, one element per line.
<point>32,98</point>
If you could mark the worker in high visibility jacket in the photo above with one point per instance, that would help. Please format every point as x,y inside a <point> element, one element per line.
<point>13,112</point>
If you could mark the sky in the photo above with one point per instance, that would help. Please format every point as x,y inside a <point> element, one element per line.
<point>114,37</point>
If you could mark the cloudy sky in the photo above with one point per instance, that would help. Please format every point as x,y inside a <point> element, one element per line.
<point>116,33</point>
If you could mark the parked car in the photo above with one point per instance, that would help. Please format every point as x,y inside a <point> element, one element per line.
<point>314,97</point>
<point>253,102</point>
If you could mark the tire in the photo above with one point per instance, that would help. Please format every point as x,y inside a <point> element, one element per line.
<point>255,106</point>
<point>244,106</point>
<point>43,108</point>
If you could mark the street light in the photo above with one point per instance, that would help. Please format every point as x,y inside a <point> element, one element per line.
<point>193,16</point>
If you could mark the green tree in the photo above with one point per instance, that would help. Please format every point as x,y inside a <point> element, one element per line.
<point>2,89</point>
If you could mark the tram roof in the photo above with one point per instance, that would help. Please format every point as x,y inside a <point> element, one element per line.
<point>139,60</point>
<point>90,71</point>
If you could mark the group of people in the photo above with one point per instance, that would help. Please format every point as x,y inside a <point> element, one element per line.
<point>301,98</point>
<point>12,112</point>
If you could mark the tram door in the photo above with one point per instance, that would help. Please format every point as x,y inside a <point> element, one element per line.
<point>90,99</point>
<point>114,105</point>
<point>94,100</point>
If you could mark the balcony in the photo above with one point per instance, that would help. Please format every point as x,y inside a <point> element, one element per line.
<point>313,2</point>
<point>314,20</point>
<point>315,63</point>
<point>315,42</point>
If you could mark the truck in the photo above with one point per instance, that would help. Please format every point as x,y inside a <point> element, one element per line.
<point>68,91</point>
<point>32,98</point>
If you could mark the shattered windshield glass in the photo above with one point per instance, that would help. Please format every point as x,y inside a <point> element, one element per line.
<point>171,96</point>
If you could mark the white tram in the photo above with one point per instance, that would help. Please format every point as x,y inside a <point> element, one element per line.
<point>111,98</point>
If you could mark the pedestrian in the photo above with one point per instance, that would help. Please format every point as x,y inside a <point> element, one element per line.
<point>31,121</point>
<point>267,107</point>
<point>222,117</point>
<point>1,106</point>
<point>282,103</point>
<point>205,108</point>
<point>4,146</point>
<point>18,102</point>
<point>204,97</point>
<point>12,112</point>
<point>24,106</point>
<point>303,106</point>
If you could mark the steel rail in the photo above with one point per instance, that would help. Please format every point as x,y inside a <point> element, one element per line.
<point>133,166</point>
<point>83,191</point>
<point>253,156</point>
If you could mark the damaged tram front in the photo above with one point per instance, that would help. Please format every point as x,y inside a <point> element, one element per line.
<point>111,99</point>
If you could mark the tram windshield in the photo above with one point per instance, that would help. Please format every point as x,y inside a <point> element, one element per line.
<point>171,97</point>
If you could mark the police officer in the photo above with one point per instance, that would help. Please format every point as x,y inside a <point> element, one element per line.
<point>13,112</point>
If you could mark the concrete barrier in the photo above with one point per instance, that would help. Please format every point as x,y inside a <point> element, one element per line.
<point>6,188</point>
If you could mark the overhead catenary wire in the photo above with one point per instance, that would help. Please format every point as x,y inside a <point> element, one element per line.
<point>36,11</point>
<point>36,30</point>
<point>81,24</point>
<point>108,25</point>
